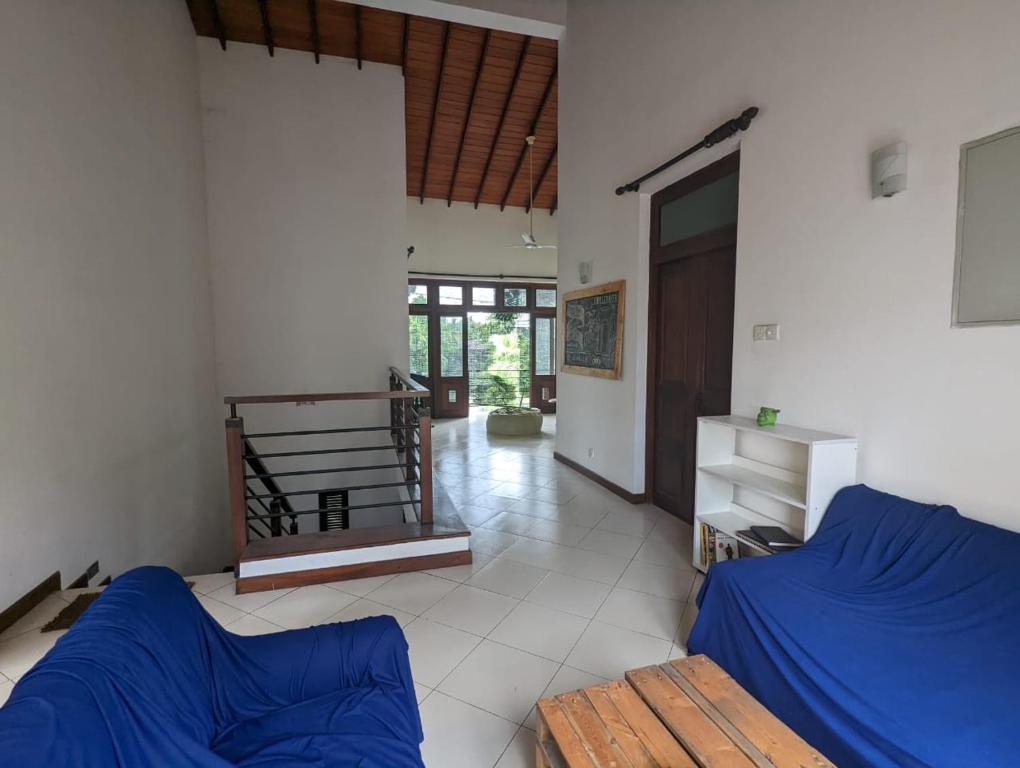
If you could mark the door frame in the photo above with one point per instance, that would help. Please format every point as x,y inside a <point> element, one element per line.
<point>657,257</point>
<point>436,311</point>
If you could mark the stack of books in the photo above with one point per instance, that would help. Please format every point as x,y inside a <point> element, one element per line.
<point>771,538</point>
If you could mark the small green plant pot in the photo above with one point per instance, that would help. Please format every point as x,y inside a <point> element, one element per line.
<point>767,416</point>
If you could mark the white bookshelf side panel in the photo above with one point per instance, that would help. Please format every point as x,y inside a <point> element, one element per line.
<point>831,466</point>
<point>716,442</point>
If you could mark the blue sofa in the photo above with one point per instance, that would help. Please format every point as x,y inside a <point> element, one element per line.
<point>890,640</point>
<point>147,678</point>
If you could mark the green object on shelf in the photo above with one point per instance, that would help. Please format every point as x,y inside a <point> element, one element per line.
<point>767,416</point>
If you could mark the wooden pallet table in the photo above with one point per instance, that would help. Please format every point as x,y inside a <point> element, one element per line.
<point>685,714</point>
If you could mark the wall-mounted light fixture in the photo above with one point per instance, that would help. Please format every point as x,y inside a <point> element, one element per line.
<point>889,170</point>
<point>584,272</point>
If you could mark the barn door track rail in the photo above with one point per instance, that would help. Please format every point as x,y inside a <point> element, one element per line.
<point>723,132</point>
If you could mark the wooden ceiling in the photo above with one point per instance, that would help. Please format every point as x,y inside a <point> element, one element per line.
<point>471,95</point>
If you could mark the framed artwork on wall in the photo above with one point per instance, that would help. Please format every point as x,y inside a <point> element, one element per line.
<point>593,330</point>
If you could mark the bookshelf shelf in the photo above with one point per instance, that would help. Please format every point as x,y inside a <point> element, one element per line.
<point>793,494</point>
<point>783,476</point>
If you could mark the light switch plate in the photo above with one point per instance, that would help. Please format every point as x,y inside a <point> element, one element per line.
<point>766,332</point>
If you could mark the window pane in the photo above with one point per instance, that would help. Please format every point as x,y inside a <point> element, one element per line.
<point>483,297</point>
<point>417,294</point>
<point>499,358</point>
<point>451,345</point>
<point>711,207</point>
<point>545,297</point>
<point>515,297</point>
<point>418,325</point>
<point>451,294</point>
<point>545,346</point>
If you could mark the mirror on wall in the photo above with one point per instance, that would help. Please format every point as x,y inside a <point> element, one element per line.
<point>986,289</point>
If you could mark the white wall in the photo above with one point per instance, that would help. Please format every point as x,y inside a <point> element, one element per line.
<point>307,207</point>
<point>109,441</point>
<point>862,288</point>
<point>462,240</point>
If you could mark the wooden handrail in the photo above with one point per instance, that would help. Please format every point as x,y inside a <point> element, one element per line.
<point>409,383</point>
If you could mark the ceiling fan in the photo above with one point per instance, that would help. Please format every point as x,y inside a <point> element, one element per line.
<point>529,237</point>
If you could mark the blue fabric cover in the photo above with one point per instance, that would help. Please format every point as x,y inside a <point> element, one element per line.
<point>892,638</point>
<point>147,678</point>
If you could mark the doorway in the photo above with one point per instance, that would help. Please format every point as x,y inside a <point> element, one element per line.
<point>482,344</point>
<point>692,266</point>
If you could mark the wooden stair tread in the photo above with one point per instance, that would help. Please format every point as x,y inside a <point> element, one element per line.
<point>353,538</point>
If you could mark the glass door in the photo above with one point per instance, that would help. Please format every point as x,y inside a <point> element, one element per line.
<point>420,360</point>
<point>543,363</point>
<point>451,392</point>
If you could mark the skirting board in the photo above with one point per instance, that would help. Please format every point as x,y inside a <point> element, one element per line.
<point>29,601</point>
<point>318,560</point>
<point>623,493</point>
<point>357,571</point>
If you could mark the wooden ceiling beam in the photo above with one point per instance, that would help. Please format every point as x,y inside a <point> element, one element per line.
<point>267,28</point>
<point>435,110</point>
<point>221,31</point>
<point>467,118</point>
<point>357,34</point>
<point>403,45</point>
<point>313,25</point>
<point>542,176</point>
<point>502,118</point>
<point>531,132</point>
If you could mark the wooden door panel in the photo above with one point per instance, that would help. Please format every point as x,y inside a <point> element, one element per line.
<point>691,343</point>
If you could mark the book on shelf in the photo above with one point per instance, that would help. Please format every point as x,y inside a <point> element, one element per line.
<point>753,539</point>
<point>716,546</point>
<point>775,537</point>
<point>725,547</point>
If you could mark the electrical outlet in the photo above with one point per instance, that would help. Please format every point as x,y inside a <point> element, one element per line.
<point>766,332</point>
<point>758,333</point>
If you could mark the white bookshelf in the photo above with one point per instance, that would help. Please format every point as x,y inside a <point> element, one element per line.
<point>750,475</point>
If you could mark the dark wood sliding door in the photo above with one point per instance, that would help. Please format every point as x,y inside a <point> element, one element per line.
<point>690,344</point>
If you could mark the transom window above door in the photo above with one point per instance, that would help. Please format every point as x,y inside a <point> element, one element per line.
<point>508,297</point>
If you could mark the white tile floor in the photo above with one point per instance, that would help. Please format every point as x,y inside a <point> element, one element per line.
<point>570,586</point>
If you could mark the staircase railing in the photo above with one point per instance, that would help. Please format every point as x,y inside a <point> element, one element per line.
<point>258,513</point>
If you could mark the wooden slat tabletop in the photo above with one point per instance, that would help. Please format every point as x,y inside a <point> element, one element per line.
<point>685,714</point>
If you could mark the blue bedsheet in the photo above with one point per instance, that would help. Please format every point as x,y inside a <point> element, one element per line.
<point>891,639</point>
<point>147,678</point>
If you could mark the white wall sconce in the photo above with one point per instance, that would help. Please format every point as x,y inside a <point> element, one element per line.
<point>584,272</point>
<point>889,170</point>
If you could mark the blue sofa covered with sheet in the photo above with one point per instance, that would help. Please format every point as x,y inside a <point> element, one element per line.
<point>891,639</point>
<point>147,678</point>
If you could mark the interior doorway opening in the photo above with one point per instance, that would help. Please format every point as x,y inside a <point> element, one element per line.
<point>692,268</point>
<point>483,345</point>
